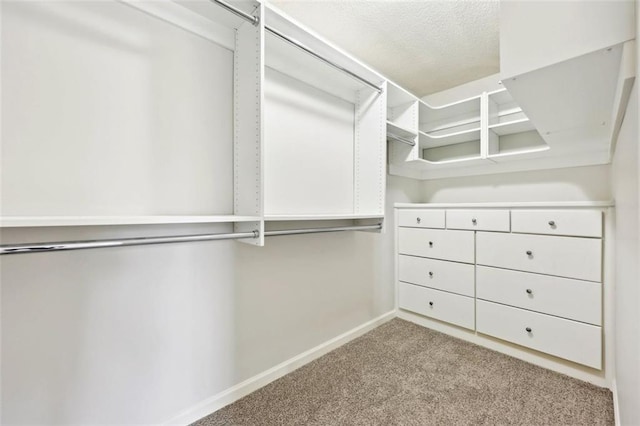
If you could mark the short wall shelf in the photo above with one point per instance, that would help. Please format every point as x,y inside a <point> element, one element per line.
<point>403,132</point>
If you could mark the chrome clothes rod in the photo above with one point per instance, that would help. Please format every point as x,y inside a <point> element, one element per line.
<point>244,15</point>
<point>318,230</point>
<point>140,241</point>
<point>401,139</point>
<point>323,59</point>
<point>89,244</point>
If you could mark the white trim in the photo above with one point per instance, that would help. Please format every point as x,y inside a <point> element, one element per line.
<point>545,204</point>
<point>254,383</point>
<point>616,407</point>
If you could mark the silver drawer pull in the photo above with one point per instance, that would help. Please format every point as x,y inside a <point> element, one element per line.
<point>529,291</point>
<point>529,253</point>
<point>552,223</point>
<point>430,303</point>
<point>528,329</point>
<point>430,274</point>
<point>474,221</point>
<point>417,220</point>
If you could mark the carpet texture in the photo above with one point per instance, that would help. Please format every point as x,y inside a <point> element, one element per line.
<point>404,374</point>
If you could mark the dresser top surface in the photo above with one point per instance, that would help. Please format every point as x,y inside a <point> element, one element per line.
<point>510,205</point>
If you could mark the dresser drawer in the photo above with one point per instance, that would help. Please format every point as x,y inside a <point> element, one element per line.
<point>563,297</point>
<point>575,341</point>
<point>478,220</point>
<point>437,244</point>
<point>569,257</point>
<point>439,274</point>
<point>443,306</point>
<point>421,218</point>
<point>581,223</point>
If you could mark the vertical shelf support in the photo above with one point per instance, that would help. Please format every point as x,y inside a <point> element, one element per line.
<point>248,125</point>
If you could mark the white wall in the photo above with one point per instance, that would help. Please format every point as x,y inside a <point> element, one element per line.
<point>627,296</point>
<point>112,111</point>
<point>590,183</point>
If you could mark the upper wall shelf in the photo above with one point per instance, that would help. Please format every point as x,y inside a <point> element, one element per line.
<point>204,18</point>
<point>298,53</point>
<point>31,221</point>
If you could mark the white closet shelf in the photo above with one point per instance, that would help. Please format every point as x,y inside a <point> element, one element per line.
<point>511,127</point>
<point>313,68</point>
<point>453,109</point>
<point>450,163</point>
<point>403,132</point>
<point>433,140</point>
<point>346,216</point>
<point>517,154</point>
<point>37,221</point>
<point>205,19</point>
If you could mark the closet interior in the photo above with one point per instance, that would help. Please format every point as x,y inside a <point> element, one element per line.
<point>131,123</point>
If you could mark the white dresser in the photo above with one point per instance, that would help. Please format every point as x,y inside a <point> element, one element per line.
<point>524,274</point>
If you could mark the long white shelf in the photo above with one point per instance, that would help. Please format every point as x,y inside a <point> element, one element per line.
<point>39,221</point>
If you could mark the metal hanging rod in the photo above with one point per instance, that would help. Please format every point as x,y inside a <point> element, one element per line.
<point>401,139</point>
<point>244,15</point>
<point>323,59</point>
<point>88,244</point>
<point>319,230</point>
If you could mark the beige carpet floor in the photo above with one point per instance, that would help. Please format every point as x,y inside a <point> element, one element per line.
<point>404,374</point>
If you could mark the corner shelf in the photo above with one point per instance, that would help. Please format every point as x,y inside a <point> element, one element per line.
<point>439,139</point>
<point>450,116</point>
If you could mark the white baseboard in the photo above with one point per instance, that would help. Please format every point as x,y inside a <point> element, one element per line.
<point>240,390</point>
<point>616,407</point>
